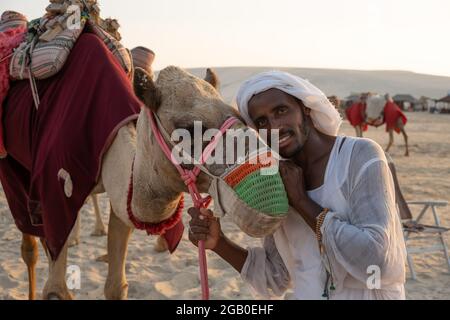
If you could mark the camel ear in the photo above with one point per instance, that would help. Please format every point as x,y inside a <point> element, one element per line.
<point>146,90</point>
<point>212,78</point>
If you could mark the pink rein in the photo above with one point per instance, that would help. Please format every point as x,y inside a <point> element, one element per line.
<point>190,178</point>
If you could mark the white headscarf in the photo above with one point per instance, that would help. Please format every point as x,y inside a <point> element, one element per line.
<point>324,115</point>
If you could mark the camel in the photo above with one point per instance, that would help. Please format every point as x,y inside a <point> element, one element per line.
<point>178,98</point>
<point>400,125</point>
<point>99,227</point>
<point>375,110</point>
<point>355,114</point>
<point>382,109</point>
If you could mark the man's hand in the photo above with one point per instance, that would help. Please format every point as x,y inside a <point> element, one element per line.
<point>294,182</point>
<point>204,226</point>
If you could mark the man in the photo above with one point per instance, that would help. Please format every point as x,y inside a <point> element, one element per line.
<point>342,238</point>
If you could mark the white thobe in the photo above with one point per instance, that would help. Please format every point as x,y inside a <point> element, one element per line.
<point>362,235</point>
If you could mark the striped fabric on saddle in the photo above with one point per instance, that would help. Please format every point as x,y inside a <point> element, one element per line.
<point>121,53</point>
<point>47,57</point>
<point>51,38</point>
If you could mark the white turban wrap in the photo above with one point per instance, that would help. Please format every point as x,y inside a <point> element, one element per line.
<point>324,115</point>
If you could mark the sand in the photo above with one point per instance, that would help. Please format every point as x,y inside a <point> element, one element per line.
<point>424,175</point>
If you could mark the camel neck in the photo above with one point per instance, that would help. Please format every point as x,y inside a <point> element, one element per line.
<point>156,184</point>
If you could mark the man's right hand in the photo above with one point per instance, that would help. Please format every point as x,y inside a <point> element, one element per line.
<point>204,226</point>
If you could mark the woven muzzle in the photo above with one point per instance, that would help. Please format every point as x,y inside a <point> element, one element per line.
<point>259,187</point>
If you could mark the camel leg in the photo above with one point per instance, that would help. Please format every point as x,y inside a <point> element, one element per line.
<point>358,131</point>
<point>74,237</point>
<point>116,286</point>
<point>161,245</point>
<point>405,136</point>
<point>391,140</point>
<point>56,287</point>
<point>29,250</point>
<point>99,229</point>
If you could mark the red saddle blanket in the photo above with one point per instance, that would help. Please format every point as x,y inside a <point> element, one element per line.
<point>392,113</point>
<point>9,40</point>
<point>81,110</point>
<point>355,115</point>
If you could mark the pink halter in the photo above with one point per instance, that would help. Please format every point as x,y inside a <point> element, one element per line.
<point>190,178</point>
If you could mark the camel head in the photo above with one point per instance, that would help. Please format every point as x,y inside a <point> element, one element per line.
<point>179,99</point>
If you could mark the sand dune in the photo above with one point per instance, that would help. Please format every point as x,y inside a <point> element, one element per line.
<point>343,82</point>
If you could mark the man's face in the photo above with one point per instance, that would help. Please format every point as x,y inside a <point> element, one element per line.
<point>274,109</point>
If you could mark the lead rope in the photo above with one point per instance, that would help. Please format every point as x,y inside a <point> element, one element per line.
<point>33,85</point>
<point>190,178</point>
<point>26,53</point>
<point>34,90</point>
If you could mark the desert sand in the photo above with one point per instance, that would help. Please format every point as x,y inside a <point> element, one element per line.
<point>424,175</point>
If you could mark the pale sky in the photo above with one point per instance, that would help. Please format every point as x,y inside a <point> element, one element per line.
<point>343,34</point>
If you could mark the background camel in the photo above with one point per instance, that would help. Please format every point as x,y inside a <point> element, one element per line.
<point>382,109</point>
<point>356,115</point>
<point>376,110</point>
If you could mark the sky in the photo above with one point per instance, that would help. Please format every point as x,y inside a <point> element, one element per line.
<point>410,35</point>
